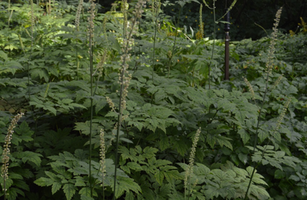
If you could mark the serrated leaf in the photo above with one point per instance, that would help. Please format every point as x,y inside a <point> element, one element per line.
<point>211,140</point>
<point>164,143</point>
<point>22,185</point>
<point>79,181</point>
<point>3,56</point>
<point>244,135</point>
<point>243,158</point>
<point>159,175</point>
<point>50,109</point>
<point>51,175</point>
<point>223,141</point>
<point>279,154</point>
<point>277,136</point>
<point>126,184</point>
<point>134,166</point>
<point>55,187</point>
<point>262,135</point>
<point>69,190</point>
<point>139,125</point>
<point>13,175</point>
<point>172,175</point>
<point>30,156</point>
<point>295,178</point>
<point>43,181</point>
<point>85,191</point>
<point>149,152</point>
<point>83,197</point>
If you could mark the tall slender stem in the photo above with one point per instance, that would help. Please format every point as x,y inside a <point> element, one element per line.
<point>256,135</point>
<point>91,38</point>
<point>91,118</point>
<point>123,79</point>
<point>269,65</point>
<point>213,45</point>
<point>119,119</point>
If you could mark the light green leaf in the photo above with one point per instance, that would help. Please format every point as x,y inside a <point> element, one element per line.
<point>85,191</point>
<point>55,187</point>
<point>3,56</point>
<point>243,158</point>
<point>50,109</point>
<point>263,135</point>
<point>69,190</point>
<point>30,156</point>
<point>211,140</point>
<point>43,181</point>
<point>134,166</point>
<point>79,181</point>
<point>159,175</point>
<point>244,135</point>
<point>83,197</point>
<point>172,175</point>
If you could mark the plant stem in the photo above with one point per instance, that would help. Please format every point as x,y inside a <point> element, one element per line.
<point>154,48</point>
<point>119,119</point>
<point>91,117</point>
<point>256,135</point>
<point>173,50</point>
<point>213,45</point>
<point>90,42</point>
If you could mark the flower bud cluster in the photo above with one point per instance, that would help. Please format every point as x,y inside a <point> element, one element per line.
<point>78,13</point>
<point>6,149</point>
<point>278,81</point>
<point>250,88</point>
<point>90,28</point>
<point>282,115</point>
<point>189,170</point>
<point>102,156</point>
<point>269,63</point>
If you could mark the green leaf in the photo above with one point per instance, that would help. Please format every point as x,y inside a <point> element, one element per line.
<point>43,181</point>
<point>172,175</point>
<point>223,141</point>
<point>24,132</point>
<point>149,152</point>
<point>159,175</point>
<point>39,73</point>
<point>52,175</point>
<point>263,134</point>
<point>69,190</point>
<point>211,140</point>
<point>85,191</point>
<point>279,174</point>
<point>244,135</point>
<point>80,181</point>
<point>243,157</point>
<point>83,197</point>
<point>3,56</point>
<point>126,184</point>
<point>30,156</point>
<point>164,143</point>
<point>134,166</point>
<point>139,125</point>
<point>55,187</point>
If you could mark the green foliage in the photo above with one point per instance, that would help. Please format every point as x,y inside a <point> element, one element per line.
<point>23,162</point>
<point>150,173</point>
<point>266,155</point>
<point>48,78</point>
<point>69,174</point>
<point>227,182</point>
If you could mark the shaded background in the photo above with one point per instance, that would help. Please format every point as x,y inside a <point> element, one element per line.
<point>249,18</point>
<point>244,16</point>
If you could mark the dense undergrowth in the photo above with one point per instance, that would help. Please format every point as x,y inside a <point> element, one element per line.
<point>182,132</point>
